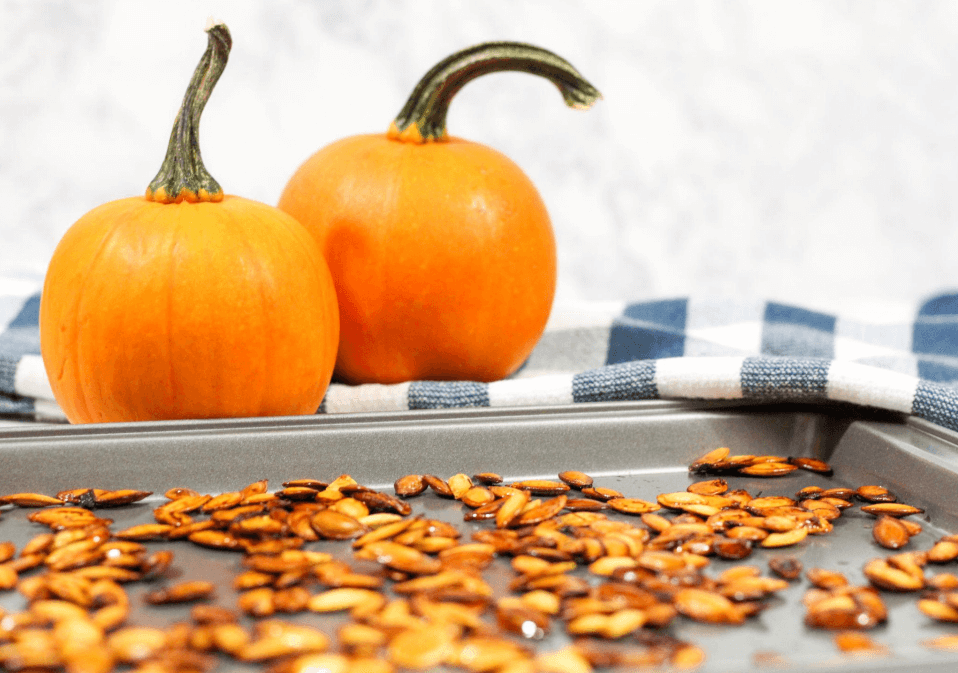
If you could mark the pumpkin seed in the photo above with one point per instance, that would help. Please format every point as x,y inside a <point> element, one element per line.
<point>575,479</point>
<point>438,485</point>
<point>488,478</point>
<point>895,509</point>
<point>601,493</point>
<point>542,486</point>
<point>769,469</point>
<point>786,567</point>
<point>891,534</point>
<point>181,593</point>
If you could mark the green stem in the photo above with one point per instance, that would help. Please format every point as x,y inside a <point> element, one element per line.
<point>423,117</point>
<point>183,177</point>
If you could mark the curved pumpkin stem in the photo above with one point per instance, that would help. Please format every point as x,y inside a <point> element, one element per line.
<point>423,117</point>
<point>183,177</point>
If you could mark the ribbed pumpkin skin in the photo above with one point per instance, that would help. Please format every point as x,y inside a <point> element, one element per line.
<point>166,311</point>
<point>442,254</point>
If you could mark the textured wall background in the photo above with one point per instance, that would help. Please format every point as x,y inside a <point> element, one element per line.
<point>800,151</point>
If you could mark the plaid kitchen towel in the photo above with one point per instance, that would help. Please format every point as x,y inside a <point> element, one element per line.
<point>686,348</point>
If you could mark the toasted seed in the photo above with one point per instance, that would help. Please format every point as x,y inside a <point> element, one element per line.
<point>770,469</point>
<point>409,485</point>
<point>459,484</point>
<point>853,641</point>
<point>216,539</point>
<point>895,509</point>
<point>785,539</point>
<point>874,493</point>
<point>786,567</point>
<point>713,456</point>
<point>633,506</point>
<point>584,505</point>
<point>601,493</point>
<point>120,497</point>
<point>345,599</point>
<point>382,502</point>
<point>731,549</point>
<point>938,610</point>
<point>332,525</point>
<point>488,478</point>
<point>576,479</point>
<point>30,500</point>
<point>181,593</point>
<point>710,487</point>
<point>134,644</point>
<point>439,486</point>
<point>942,551</point>
<point>884,576</point>
<point>146,531</point>
<point>542,486</point>
<point>812,465</point>
<point>826,579</point>
<point>514,503</point>
<point>707,606</point>
<point>477,496</point>
<point>422,649</point>
<point>890,533</point>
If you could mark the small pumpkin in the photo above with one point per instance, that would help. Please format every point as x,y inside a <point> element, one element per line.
<point>185,302</point>
<point>441,249</point>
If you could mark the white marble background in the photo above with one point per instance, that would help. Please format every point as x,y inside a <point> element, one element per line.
<point>805,151</point>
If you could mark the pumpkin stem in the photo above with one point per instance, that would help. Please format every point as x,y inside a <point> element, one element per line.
<point>183,177</point>
<point>423,117</point>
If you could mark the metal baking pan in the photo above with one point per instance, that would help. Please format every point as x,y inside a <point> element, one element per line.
<point>639,448</point>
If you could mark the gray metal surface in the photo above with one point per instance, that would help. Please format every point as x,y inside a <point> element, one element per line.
<point>639,448</point>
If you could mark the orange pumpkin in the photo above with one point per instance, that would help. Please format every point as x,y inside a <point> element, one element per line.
<point>187,303</point>
<point>441,250</point>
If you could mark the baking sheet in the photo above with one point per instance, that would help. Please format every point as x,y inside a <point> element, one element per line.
<point>638,448</point>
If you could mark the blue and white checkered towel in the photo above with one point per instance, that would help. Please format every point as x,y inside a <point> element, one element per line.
<point>670,349</point>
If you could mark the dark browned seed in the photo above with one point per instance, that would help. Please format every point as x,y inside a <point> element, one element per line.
<point>82,497</point>
<point>438,485</point>
<point>542,486</point>
<point>487,478</point>
<point>874,493</point>
<point>890,533</point>
<point>316,484</point>
<point>895,509</point>
<point>332,525</point>
<point>709,487</point>
<point>146,531</point>
<point>786,567</point>
<point>601,493</point>
<point>120,497</point>
<point>584,505</point>
<point>812,465</point>
<point>826,579</point>
<point>576,479</point>
<point>382,502</point>
<point>181,593</point>
<point>633,505</point>
<point>731,549</point>
<point>30,500</point>
<point>409,485</point>
<point>771,469</point>
<point>809,493</point>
